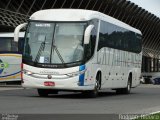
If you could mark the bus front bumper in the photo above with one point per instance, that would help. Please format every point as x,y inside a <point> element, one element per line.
<point>59,84</point>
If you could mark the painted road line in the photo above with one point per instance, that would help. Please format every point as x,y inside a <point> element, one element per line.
<point>10,88</point>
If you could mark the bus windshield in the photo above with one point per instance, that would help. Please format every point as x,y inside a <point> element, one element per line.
<point>54,43</point>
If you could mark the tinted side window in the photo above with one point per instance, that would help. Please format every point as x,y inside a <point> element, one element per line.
<point>119,38</point>
<point>20,45</point>
<point>5,44</point>
<point>138,43</point>
<point>94,36</point>
<point>14,46</point>
<point>104,35</point>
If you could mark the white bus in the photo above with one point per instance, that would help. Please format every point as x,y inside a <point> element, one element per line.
<point>10,57</point>
<point>79,50</point>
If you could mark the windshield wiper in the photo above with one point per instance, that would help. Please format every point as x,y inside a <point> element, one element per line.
<point>41,48</point>
<point>54,47</point>
<point>58,53</point>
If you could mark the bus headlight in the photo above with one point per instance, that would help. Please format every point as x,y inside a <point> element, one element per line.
<point>76,73</point>
<point>27,72</point>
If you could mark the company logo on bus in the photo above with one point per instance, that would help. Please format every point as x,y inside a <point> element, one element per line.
<point>3,65</point>
<point>49,72</point>
<point>49,76</point>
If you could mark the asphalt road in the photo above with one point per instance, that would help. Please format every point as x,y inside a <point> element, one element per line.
<point>143,99</point>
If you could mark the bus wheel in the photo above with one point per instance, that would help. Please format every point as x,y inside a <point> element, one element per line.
<point>94,93</point>
<point>42,92</point>
<point>126,90</point>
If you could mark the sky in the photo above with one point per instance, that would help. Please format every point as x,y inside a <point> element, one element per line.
<point>152,6</point>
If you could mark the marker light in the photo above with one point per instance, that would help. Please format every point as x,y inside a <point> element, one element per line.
<point>29,73</point>
<point>76,73</point>
<point>26,72</point>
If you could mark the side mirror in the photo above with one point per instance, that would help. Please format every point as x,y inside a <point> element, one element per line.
<point>16,31</point>
<point>87,34</point>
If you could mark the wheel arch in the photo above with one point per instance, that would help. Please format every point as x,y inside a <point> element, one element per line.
<point>98,71</point>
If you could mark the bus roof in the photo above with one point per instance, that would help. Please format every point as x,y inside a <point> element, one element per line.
<point>77,15</point>
<point>10,34</point>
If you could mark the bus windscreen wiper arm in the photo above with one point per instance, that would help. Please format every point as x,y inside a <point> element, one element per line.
<point>59,55</point>
<point>41,48</point>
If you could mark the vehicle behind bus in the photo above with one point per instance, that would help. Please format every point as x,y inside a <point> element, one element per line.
<point>10,57</point>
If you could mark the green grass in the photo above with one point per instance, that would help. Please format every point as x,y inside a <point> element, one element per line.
<point>150,117</point>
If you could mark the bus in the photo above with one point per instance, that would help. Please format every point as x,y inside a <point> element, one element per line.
<point>79,50</point>
<point>10,57</point>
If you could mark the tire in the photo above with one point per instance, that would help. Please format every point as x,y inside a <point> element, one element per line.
<point>94,93</point>
<point>126,90</point>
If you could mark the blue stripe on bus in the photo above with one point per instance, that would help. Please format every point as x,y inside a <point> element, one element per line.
<point>1,70</point>
<point>82,67</point>
<point>81,76</point>
<point>10,74</point>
